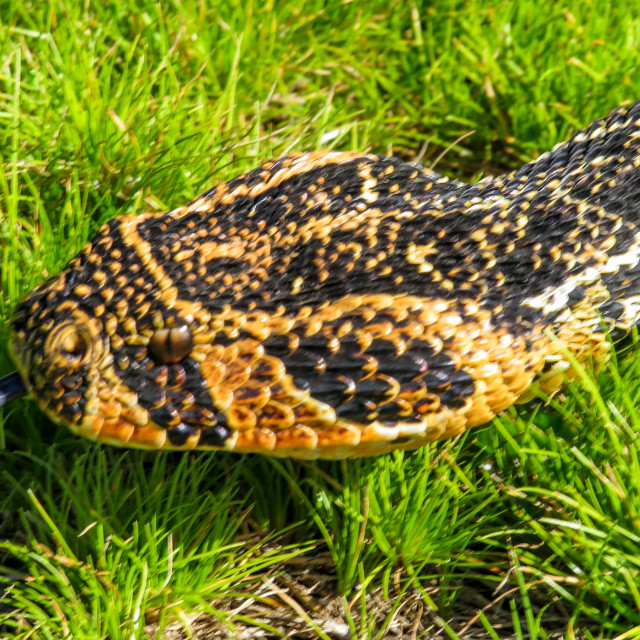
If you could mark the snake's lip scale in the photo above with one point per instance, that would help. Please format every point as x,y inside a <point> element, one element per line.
<point>11,387</point>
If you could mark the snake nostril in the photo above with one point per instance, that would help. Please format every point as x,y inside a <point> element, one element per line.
<point>74,346</point>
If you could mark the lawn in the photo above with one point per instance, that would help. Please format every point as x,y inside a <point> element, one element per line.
<point>528,528</point>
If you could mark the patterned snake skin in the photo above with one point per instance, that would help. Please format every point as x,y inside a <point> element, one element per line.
<point>335,305</point>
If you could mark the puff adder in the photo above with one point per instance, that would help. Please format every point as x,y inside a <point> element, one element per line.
<point>334,304</point>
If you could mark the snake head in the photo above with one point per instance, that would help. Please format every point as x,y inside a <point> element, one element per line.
<point>60,350</point>
<point>102,353</point>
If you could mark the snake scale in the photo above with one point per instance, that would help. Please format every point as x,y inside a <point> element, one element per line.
<point>330,304</point>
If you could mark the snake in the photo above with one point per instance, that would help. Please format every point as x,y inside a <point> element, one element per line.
<point>334,304</point>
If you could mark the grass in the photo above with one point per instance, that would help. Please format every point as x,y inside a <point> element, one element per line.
<point>527,529</point>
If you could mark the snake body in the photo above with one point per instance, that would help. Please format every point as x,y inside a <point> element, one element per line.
<point>332,304</point>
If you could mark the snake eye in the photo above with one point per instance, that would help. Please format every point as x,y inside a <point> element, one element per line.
<point>171,344</point>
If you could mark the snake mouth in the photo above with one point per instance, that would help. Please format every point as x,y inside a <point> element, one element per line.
<point>11,387</point>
